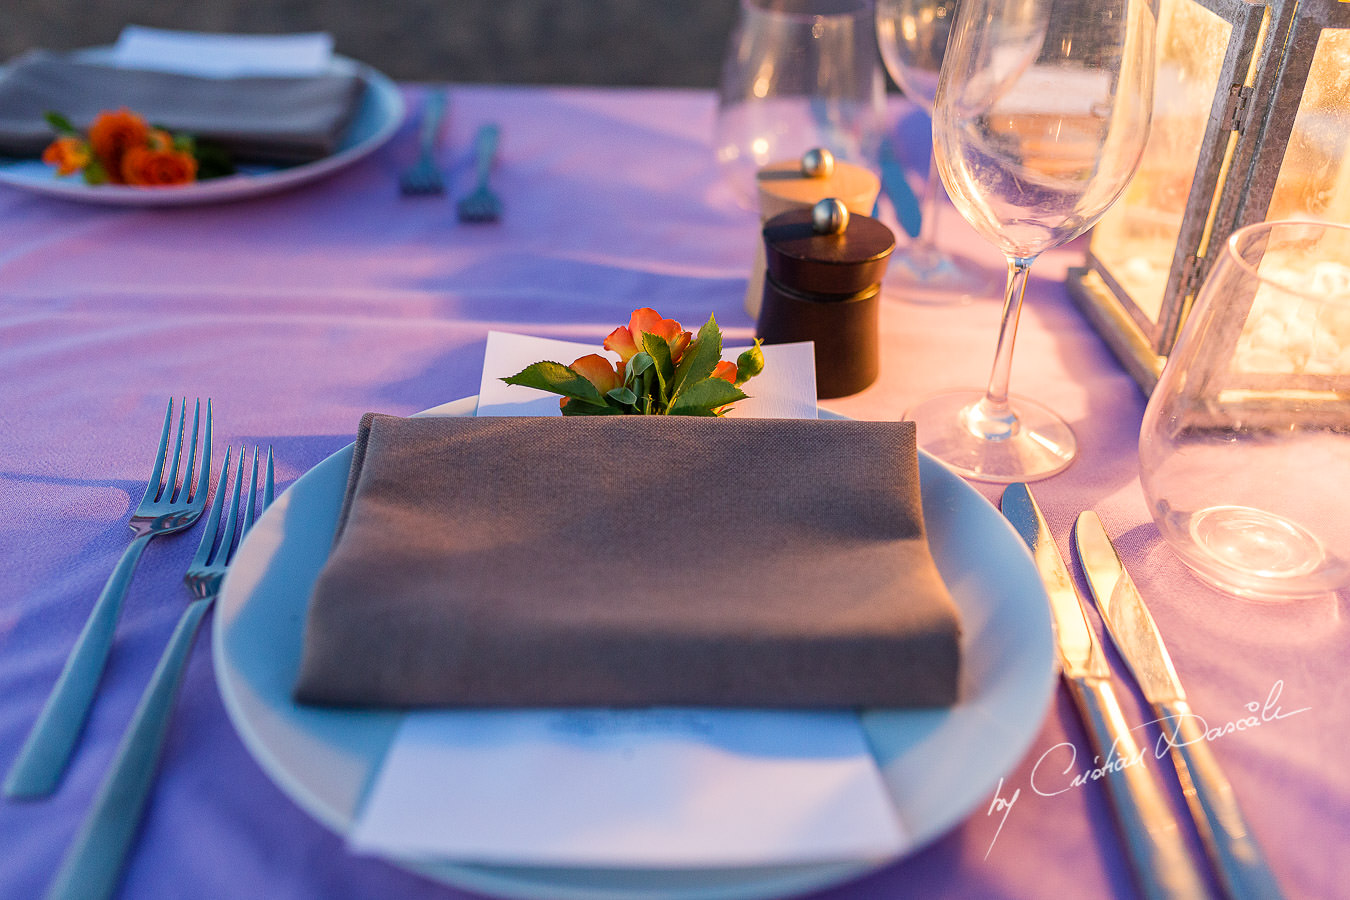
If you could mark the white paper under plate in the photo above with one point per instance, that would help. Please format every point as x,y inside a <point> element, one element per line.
<point>639,788</point>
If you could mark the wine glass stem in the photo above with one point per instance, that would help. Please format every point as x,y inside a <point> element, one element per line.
<point>992,418</point>
<point>929,205</point>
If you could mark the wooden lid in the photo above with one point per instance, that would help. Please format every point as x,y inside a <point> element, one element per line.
<point>800,258</point>
<point>782,187</point>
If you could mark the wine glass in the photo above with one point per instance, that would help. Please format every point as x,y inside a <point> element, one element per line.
<point>912,35</point>
<point>1042,112</point>
<point>1244,451</point>
<point>798,74</point>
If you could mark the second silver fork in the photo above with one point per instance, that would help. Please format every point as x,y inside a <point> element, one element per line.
<point>93,864</point>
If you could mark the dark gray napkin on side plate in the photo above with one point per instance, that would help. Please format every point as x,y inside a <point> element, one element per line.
<point>631,561</point>
<point>257,119</point>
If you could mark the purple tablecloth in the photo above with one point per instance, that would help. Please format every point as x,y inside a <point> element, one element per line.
<point>297,313</point>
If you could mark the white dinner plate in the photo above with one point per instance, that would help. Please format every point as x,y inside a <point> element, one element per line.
<point>939,764</point>
<point>377,118</point>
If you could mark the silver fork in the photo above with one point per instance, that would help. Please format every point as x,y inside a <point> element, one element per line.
<point>169,505</point>
<point>482,204</point>
<point>423,176</point>
<point>93,863</point>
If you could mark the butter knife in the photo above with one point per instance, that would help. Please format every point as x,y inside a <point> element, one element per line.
<point>1157,853</point>
<point>1235,854</point>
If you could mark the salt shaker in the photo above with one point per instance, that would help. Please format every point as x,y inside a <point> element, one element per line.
<point>800,184</point>
<point>822,283</point>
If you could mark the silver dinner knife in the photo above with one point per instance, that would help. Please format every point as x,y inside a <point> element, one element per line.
<point>1235,854</point>
<point>1158,857</point>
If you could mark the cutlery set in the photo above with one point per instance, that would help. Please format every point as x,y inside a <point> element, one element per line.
<point>1154,844</point>
<point>172,502</point>
<point>423,177</point>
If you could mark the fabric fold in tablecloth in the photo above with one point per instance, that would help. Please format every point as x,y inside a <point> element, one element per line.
<point>631,561</point>
<point>259,119</point>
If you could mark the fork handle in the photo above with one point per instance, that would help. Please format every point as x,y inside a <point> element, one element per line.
<point>45,752</point>
<point>93,864</point>
<point>485,148</point>
<point>432,113</point>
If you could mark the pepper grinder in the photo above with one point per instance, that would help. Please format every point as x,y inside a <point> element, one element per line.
<point>823,284</point>
<point>800,184</point>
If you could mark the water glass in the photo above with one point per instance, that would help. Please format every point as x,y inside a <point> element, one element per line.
<point>799,74</point>
<point>1245,446</point>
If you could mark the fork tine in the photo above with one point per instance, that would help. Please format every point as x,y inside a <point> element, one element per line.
<point>250,505</point>
<point>222,553</point>
<point>152,484</point>
<point>184,491</point>
<point>198,496</point>
<point>170,487</point>
<point>213,517</point>
<point>269,483</point>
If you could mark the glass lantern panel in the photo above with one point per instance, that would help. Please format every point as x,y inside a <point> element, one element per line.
<point>1314,180</point>
<point>1301,330</point>
<point>1136,240</point>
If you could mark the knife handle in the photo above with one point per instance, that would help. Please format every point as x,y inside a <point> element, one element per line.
<point>1162,868</point>
<point>1234,852</point>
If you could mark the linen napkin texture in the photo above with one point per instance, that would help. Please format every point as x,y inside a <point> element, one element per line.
<point>631,561</point>
<point>256,119</point>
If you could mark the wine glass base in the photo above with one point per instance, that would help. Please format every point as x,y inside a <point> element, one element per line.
<point>1038,445</point>
<point>928,276</point>
<point>1257,555</point>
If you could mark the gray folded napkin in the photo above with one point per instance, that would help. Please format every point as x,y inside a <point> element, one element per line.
<point>258,119</point>
<point>631,561</point>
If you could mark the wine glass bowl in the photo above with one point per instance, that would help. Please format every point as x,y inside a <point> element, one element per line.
<point>1040,119</point>
<point>912,36</point>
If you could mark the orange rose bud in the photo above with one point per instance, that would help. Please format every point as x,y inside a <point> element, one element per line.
<point>621,341</point>
<point>598,371</point>
<point>68,153</point>
<point>148,167</point>
<point>112,134</point>
<point>725,371</point>
<point>624,341</point>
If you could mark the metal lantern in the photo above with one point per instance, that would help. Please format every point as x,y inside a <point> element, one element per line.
<point>1251,122</point>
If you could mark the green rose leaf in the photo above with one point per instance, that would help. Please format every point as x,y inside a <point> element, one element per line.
<point>659,351</point>
<point>623,395</point>
<point>749,364</point>
<point>558,379</point>
<point>60,124</point>
<point>637,364</point>
<point>704,397</point>
<point>585,409</point>
<point>94,173</point>
<point>699,360</point>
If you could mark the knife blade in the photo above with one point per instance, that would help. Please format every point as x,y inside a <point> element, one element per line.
<point>1158,858</point>
<point>1233,851</point>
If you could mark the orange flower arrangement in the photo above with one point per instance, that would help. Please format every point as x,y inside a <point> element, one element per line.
<point>662,370</point>
<point>122,148</point>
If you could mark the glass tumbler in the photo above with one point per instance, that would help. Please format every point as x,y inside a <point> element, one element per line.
<point>799,74</point>
<point>1245,446</point>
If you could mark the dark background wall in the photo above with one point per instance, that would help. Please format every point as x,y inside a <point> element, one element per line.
<point>611,42</point>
